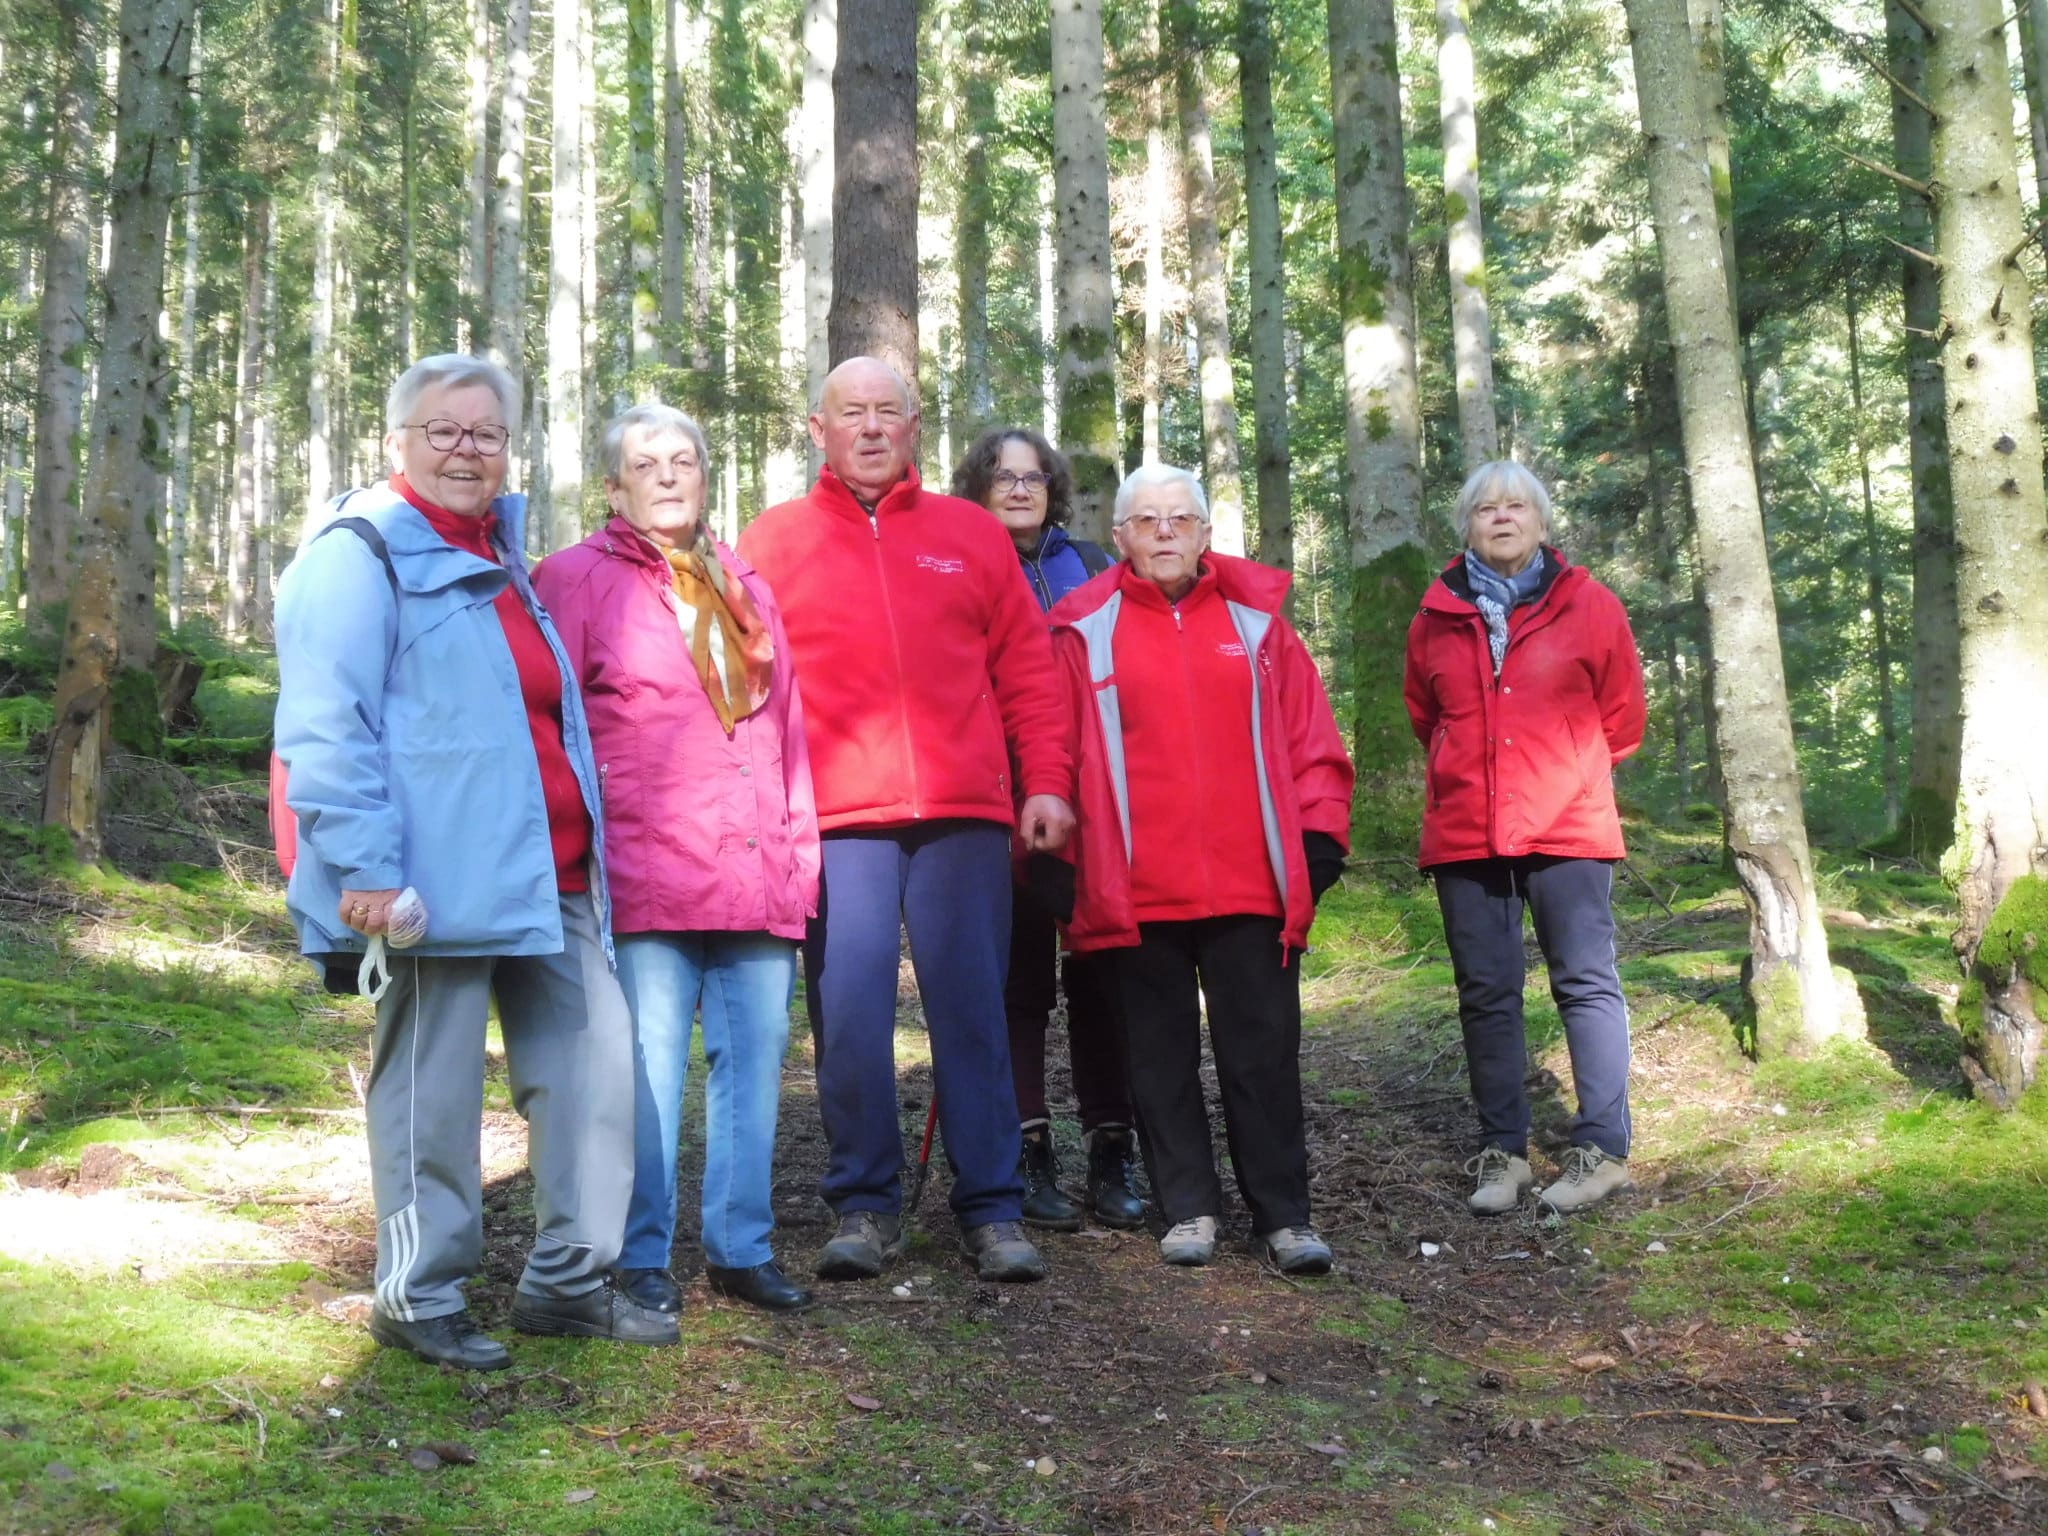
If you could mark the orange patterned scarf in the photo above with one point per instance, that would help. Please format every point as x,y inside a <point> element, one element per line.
<point>728,641</point>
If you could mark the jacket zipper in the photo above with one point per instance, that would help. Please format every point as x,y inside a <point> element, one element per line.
<point>896,645</point>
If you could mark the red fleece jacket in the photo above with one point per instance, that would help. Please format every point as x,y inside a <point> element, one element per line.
<point>540,683</point>
<point>924,661</point>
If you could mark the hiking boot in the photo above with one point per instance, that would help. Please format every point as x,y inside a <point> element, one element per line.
<point>1503,1179</point>
<point>605,1312</point>
<point>1045,1203</point>
<point>451,1340</point>
<point>1295,1251</point>
<point>1001,1251</point>
<point>1191,1242</point>
<point>1111,1194</point>
<point>865,1241</point>
<point>1588,1176</point>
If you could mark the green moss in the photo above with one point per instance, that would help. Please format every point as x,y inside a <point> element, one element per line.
<point>2016,938</point>
<point>138,721</point>
<point>1384,596</point>
<point>1777,1014</point>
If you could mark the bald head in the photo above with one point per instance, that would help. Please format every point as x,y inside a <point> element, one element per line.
<point>866,426</point>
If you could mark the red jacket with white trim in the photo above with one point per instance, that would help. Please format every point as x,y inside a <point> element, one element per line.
<point>923,658</point>
<point>1524,763</point>
<point>1301,775</point>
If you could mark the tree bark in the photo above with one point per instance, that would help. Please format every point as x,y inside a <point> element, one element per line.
<point>566,237</point>
<point>874,186</point>
<point>1209,284</point>
<point>322,445</point>
<point>1153,360</point>
<point>1268,280</point>
<point>816,168</point>
<point>977,382</point>
<point>1464,242</point>
<point>408,195</point>
<point>60,335</point>
<point>643,220</point>
<point>507,346</point>
<point>248,409</point>
<point>1998,864</point>
<point>188,376</point>
<point>1390,563</point>
<point>1703,19</point>
<point>2032,17</point>
<point>1085,306</point>
<point>675,186</point>
<point>1873,551</point>
<point>1936,758</point>
<point>1791,987</point>
<point>475,272</point>
<point>155,51</point>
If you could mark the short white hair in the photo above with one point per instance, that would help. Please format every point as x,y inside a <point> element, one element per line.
<point>1148,477</point>
<point>452,369</point>
<point>1499,477</point>
<point>655,417</point>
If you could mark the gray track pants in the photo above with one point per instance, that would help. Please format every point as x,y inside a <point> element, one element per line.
<point>569,1045</point>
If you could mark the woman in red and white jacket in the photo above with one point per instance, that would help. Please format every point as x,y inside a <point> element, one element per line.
<point>1524,687</point>
<point>1214,811</point>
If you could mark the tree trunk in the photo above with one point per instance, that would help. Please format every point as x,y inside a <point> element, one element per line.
<point>2032,16</point>
<point>1085,305</point>
<point>60,335</point>
<point>1936,762</point>
<point>977,382</point>
<point>188,375</point>
<point>248,409</point>
<point>593,232</point>
<point>675,186</point>
<point>816,166</point>
<point>508,230</point>
<point>1153,361</point>
<point>1998,864</point>
<point>1390,564</point>
<point>1464,243</point>
<point>155,50</point>
<point>566,237</point>
<point>1048,314</point>
<point>643,221</point>
<point>475,271</point>
<point>1268,335</point>
<point>263,518</point>
<point>1873,552</point>
<point>874,186</point>
<point>322,445</point>
<point>1210,287</point>
<point>1790,984</point>
<point>408,198</point>
<point>1703,19</point>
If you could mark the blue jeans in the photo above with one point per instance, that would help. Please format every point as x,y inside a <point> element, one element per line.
<point>743,981</point>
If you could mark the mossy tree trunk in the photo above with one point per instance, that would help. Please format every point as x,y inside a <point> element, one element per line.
<point>1464,239</point>
<point>156,41</point>
<point>815,168</point>
<point>2000,854</point>
<point>643,215</point>
<point>1929,815</point>
<point>1267,334</point>
<point>566,234</point>
<point>977,398</point>
<point>1382,419</point>
<point>874,189</point>
<point>1081,274</point>
<point>1790,984</point>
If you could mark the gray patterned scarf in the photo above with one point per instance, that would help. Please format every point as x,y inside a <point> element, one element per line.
<point>1497,596</point>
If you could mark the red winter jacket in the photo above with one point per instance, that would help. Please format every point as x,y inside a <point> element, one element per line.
<point>923,658</point>
<point>1301,774</point>
<point>1524,763</point>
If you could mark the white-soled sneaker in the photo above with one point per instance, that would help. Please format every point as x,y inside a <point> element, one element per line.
<point>1502,1180</point>
<point>1191,1242</point>
<point>1295,1251</point>
<point>1588,1177</point>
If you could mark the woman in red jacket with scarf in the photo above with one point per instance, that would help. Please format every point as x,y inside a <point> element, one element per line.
<point>1525,690</point>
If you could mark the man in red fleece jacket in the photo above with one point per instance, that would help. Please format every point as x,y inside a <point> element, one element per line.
<point>927,673</point>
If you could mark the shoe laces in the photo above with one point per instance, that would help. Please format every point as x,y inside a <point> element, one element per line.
<point>1190,1229</point>
<point>1003,1232</point>
<point>1491,1166</point>
<point>1580,1162</point>
<point>1290,1235</point>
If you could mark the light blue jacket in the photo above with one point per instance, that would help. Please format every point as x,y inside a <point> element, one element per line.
<point>401,722</point>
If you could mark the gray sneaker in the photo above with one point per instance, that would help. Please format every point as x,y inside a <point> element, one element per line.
<point>865,1241</point>
<point>1001,1251</point>
<point>1295,1251</point>
<point>1503,1179</point>
<point>1191,1242</point>
<point>1588,1177</point>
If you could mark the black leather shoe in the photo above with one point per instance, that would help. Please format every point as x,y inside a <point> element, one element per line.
<point>654,1289</point>
<point>603,1313</point>
<point>865,1241</point>
<point>760,1285</point>
<point>1110,1195</point>
<point>1045,1203</point>
<point>452,1340</point>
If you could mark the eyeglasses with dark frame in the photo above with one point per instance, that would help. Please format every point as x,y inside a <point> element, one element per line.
<point>445,436</point>
<point>1031,480</point>
<point>1173,525</point>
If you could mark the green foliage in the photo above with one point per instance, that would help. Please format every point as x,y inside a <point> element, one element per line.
<point>22,719</point>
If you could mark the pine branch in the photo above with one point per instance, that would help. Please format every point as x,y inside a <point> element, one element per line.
<point>1919,16</point>
<point>1924,189</point>
<point>1915,251</point>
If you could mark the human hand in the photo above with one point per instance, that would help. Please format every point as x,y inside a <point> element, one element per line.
<point>368,912</point>
<point>1045,823</point>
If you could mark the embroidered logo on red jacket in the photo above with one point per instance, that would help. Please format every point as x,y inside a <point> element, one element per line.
<point>941,564</point>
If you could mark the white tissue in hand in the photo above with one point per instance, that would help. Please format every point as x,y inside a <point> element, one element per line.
<point>406,923</point>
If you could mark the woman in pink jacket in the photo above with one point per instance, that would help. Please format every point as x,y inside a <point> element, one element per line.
<point>711,839</point>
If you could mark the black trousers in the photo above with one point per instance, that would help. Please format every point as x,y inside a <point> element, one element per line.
<point>1253,987</point>
<point>1571,903</point>
<point>1095,1030</point>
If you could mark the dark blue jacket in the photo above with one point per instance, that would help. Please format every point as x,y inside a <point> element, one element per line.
<point>1060,564</point>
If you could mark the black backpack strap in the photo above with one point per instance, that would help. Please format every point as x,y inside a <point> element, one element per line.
<point>371,535</point>
<point>1093,556</point>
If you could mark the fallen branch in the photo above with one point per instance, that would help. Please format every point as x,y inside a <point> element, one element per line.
<point>161,1111</point>
<point>1709,1413</point>
<point>764,1346</point>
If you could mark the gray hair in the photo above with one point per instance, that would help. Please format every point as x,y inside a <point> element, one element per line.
<point>452,369</point>
<point>656,418</point>
<point>1157,477</point>
<point>1499,477</point>
<point>910,405</point>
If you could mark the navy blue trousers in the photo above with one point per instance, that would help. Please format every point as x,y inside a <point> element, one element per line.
<point>948,884</point>
<point>1571,902</point>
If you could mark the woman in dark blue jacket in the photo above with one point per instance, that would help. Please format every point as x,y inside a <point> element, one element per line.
<point>1025,482</point>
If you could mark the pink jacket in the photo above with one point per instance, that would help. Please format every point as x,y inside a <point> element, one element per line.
<point>702,832</point>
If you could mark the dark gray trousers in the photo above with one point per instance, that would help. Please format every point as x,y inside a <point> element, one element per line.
<point>1571,904</point>
<point>569,1050</point>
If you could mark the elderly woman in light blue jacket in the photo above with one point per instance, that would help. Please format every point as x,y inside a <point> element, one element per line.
<point>439,768</point>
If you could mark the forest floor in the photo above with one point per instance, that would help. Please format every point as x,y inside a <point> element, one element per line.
<point>1819,1310</point>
